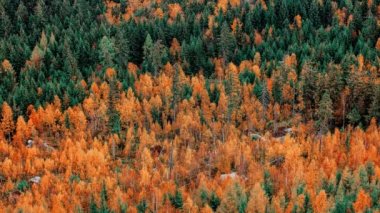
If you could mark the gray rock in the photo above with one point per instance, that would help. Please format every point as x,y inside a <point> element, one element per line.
<point>29,143</point>
<point>289,130</point>
<point>36,179</point>
<point>232,175</point>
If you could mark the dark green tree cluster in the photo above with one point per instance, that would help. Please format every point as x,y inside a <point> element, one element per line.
<point>54,45</point>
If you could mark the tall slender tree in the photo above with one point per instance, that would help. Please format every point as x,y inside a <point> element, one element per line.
<point>324,113</point>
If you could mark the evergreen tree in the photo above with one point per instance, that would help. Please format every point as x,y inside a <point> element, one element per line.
<point>148,49</point>
<point>113,115</point>
<point>93,207</point>
<point>235,200</point>
<point>268,185</point>
<point>176,200</point>
<point>314,15</point>
<point>354,116</point>
<point>374,109</point>
<point>265,98</point>
<point>176,91</point>
<point>103,200</point>
<point>194,56</point>
<point>153,55</point>
<point>227,43</point>
<point>142,206</point>
<point>5,23</point>
<point>22,16</point>
<point>258,89</point>
<point>247,77</point>
<point>276,91</point>
<point>214,201</point>
<point>324,113</point>
<point>261,92</point>
<point>370,28</point>
<point>107,52</point>
<point>122,49</point>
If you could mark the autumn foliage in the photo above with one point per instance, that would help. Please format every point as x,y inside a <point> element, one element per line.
<point>199,148</point>
<point>189,106</point>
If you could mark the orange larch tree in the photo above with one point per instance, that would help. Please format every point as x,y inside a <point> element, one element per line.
<point>7,123</point>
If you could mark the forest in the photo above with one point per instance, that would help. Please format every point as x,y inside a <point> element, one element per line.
<point>190,106</point>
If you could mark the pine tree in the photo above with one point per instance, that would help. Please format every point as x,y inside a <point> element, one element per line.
<point>103,200</point>
<point>265,98</point>
<point>40,11</point>
<point>176,200</point>
<point>234,200</point>
<point>324,113</point>
<point>276,91</point>
<point>176,90</point>
<point>214,201</point>
<point>107,52</point>
<point>327,13</point>
<point>147,50</point>
<point>227,43</point>
<point>261,92</point>
<point>354,116</point>
<point>93,207</point>
<point>257,89</point>
<point>142,206</point>
<point>268,185</point>
<point>374,109</point>
<point>122,49</point>
<point>314,13</point>
<point>154,54</point>
<point>22,16</point>
<point>233,90</point>
<point>113,115</point>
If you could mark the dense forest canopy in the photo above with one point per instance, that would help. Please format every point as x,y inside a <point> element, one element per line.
<point>193,106</point>
<point>52,46</point>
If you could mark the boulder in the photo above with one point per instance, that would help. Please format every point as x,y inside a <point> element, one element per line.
<point>231,175</point>
<point>36,179</point>
<point>29,143</point>
<point>288,130</point>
